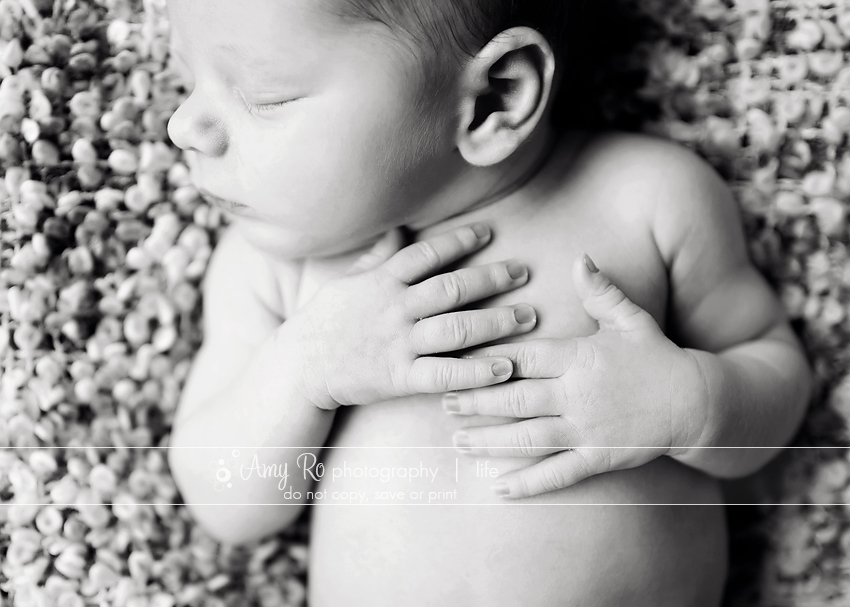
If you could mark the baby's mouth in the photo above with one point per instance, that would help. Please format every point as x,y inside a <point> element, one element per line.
<point>226,205</point>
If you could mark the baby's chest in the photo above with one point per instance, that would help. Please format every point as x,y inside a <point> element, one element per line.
<point>550,251</point>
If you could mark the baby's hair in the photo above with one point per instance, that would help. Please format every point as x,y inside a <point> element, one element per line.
<point>466,25</point>
<point>582,34</point>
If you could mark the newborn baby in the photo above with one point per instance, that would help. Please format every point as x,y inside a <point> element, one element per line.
<point>421,269</point>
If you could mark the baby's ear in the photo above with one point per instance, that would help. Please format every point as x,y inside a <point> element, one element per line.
<point>506,88</point>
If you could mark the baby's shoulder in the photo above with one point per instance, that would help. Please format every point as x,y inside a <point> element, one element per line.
<point>641,178</point>
<point>622,161</point>
<point>243,266</point>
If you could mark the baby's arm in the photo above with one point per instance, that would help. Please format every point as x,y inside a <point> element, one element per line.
<point>757,382</point>
<point>733,374</point>
<point>240,395</point>
<point>269,388</point>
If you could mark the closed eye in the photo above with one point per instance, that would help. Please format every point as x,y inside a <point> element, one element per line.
<point>262,107</point>
<point>265,107</point>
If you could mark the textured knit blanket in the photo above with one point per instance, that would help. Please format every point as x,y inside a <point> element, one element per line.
<point>104,244</point>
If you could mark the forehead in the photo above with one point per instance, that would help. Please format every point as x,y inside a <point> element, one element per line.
<point>300,40</point>
<point>251,30</point>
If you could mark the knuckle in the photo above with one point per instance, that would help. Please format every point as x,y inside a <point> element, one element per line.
<point>428,254</point>
<point>458,330</point>
<point>516,403</point>
<point>525,485</point>
<point>522,442</point>
<point>534,363</point>
<point>453,289</point>
<point>445,377</point>
<point>625,310</point>
<point>610,293</point>
<point>613,298</point>
<point>475,403</point>
<point>553,478</point>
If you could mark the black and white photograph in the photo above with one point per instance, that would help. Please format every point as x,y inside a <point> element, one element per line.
<point>418,303</point>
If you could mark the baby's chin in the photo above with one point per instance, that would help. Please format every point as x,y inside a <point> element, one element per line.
<point>286,245</point>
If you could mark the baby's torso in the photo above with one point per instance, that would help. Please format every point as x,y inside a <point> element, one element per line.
<point>382,536</point>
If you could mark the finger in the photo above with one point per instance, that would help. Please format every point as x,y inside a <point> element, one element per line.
<point>528,438</point>
<point>605,302</point>
<point>456,289</point>
<point>433,375</point>
<point>557,471</point>
<point>535,358</point>
<point>517,399</point>
<point>459,330</point>
<point>422,259</point>
<point>386,247</point>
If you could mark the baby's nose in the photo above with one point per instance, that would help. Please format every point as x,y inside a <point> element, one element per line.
<point>193,128</point>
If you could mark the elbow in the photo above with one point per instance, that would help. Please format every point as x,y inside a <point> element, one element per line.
<point>228,517</point>
<point>238,525</point>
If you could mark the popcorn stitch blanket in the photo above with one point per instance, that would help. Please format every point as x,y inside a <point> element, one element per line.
<point>105,242</point>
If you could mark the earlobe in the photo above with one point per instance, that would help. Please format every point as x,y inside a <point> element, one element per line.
<point>508,84</point>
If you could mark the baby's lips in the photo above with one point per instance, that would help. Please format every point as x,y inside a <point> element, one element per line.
<point>223,203</point>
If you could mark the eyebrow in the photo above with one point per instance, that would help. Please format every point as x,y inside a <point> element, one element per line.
<point>247,61</point>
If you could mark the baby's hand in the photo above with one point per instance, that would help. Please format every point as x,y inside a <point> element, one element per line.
<point>371,336</point>
<point>599,403</point>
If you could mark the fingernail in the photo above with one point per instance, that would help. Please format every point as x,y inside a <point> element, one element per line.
<point>451,404</point>
<point>501,489</point>
<point>502,368</point>
<point>481,230</point>
<point>590,265</point>
<point>461,441</point>
<point>524,314</point>
<point>516,270</point>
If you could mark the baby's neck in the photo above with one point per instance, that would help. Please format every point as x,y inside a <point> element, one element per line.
<point>516,191</point>
<point>551,158</point>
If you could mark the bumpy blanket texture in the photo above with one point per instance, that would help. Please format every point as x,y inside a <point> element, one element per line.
<point>105,244</point>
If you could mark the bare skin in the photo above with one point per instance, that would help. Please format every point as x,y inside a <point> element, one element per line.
<point>334,151</point>
<point>583,555</point>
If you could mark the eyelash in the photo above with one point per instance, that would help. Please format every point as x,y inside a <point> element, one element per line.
<point>264,107</point>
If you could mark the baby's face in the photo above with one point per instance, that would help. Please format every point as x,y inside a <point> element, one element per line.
<point>315,125</point>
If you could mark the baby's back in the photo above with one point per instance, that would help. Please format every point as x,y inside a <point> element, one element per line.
<point>590,544</point>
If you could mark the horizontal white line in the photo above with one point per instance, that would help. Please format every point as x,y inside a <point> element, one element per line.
<point>506,503</point>
<point>454,448</point>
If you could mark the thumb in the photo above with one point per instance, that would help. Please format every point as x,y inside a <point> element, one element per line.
<point>605,302</point>
<point>390,244</point>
